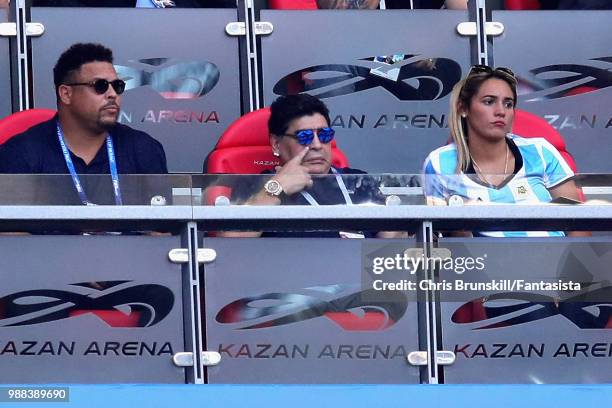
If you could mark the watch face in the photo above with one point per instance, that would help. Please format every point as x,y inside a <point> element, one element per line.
<point>273,187</point>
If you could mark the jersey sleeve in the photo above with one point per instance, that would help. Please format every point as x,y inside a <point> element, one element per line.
<point>433,183</point>
<point>556,169</point>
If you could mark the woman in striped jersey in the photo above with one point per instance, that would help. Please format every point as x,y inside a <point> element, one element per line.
<point>486,163</point>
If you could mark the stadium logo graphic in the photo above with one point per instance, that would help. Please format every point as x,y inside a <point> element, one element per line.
<point>583,310</point>
<point>407,77</point>
<point>564,80</point>
<point>170,78</point>
<point>352,312</point>
<point>118,303</point>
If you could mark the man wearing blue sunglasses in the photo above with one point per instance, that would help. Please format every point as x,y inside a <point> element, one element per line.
<point>301,137</point>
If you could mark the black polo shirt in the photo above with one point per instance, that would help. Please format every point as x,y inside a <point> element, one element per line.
<point>37,151</point>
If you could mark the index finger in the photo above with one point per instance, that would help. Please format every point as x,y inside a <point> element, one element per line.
<point>300,156</point>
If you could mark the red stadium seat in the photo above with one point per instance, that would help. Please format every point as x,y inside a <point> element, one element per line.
<point>293,4</point>
<point>522,5</point>
<point>527,124</point>
<point>244,147</point>
<point>19,122</point>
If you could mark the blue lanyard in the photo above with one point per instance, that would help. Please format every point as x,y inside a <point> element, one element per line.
<point>112,163</point>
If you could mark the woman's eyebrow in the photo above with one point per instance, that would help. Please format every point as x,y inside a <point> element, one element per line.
<point>496,97</point>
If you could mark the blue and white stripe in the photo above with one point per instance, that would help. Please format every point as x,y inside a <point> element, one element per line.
<point>543,168</point>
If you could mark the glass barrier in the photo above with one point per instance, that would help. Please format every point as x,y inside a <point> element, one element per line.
<point>122,313</point>
<point>521,189</point>
<point>303,190</point>
<point>537,311</point>
<point>300,311</point>
<point>597,188</point>
<point>341,191</point>
<point>401,189</point>
<point>59,189</point>
<point>348,198</point>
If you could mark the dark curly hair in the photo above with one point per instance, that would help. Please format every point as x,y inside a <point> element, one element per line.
<point>290,107</point>
<point>77,55</point>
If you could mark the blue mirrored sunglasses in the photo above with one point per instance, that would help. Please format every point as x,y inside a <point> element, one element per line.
<point>306,136</point>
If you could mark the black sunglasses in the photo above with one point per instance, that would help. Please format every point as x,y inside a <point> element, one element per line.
<point>480,69</point>
<point>306,136</point>
<point>101,85</point>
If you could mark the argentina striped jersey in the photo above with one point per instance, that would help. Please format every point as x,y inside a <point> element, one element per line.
<point>538,168</point>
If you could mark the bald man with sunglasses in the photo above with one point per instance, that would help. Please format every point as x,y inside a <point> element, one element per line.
<point>84,137</point>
